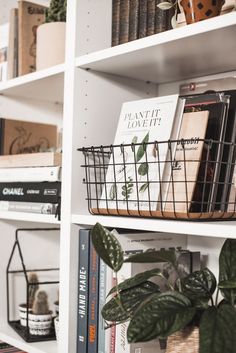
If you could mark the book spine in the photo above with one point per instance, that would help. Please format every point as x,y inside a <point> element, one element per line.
<point>83,290</point>
<point>33,207</point>
<point>151,10</point>
<point>115,22</point>
<point>142,18</point>
<point>133,19</point>
<point>34,174</point>
<point>93,301</point>
<point>160,19</point>
<point>102,301</point>
<point>29,160</point>
<point>169,15</point>
<point>30,192</point>
<point>124,21</point>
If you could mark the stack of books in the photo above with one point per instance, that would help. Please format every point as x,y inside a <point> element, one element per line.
<point>133,19</point>
<point>30,183</point>
<point>95,279</point>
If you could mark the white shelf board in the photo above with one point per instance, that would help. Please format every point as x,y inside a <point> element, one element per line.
<point>8,335</point>
<point>199,49</point>
<point>224,229</point>
<point>45,84</point>
<point>28,217</point>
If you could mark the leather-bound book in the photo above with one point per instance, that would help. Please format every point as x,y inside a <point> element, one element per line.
<point>133,19</point>
<point>151,10</point>
<point>124,21</point>
<point>142,18</point>
<point>160,19</point>
<point>115,22</point>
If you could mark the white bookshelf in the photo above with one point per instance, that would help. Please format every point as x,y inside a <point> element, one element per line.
<point>84,96</point>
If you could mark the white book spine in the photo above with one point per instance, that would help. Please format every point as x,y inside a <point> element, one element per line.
<point>35,174</point>
<point>32,207</point>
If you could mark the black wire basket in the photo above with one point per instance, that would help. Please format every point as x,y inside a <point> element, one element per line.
<point>188,179</point>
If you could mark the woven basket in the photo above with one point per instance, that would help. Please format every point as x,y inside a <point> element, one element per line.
<point>185,341</point>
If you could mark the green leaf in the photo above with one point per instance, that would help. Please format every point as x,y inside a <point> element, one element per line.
<point>134,141</point>
<point>107,247</point>
<point>136,280</point>
<point>154,256</point>
<point>165,5</point>
<point>227,264</point>
<point>218,330</point>
<point>230,284</point>
<point>161,316</point>
<point>199,285</point>
<point>143,169</point>
<point>142,148</point>
<point>121,307</point>
<point>143,187</point>
<point>113,192</point>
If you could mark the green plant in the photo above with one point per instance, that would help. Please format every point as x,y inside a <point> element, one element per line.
<point>40,305</point>
<point>33,287</point>
<point>188,301</point>
<point>56,11</point>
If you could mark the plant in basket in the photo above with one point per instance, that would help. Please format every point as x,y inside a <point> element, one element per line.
<point>40,320</point>
<point>23,308</point>
<point>184,312</point>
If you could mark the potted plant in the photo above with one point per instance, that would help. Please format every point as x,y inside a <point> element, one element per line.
<point>185,313</point>
<point>194,10</point>
<point>40,319</point>
<point>51,36</point>
<point>23,308</point>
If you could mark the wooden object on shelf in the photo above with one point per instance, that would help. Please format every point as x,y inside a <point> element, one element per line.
<point>185,341</point>
<point>19,136</point>
<point>43,159</point>
<point>31,15</point>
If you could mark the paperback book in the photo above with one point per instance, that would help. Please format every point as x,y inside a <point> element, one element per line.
<point>133,181</point>
<point>35,174</point>
<point>31,207</point>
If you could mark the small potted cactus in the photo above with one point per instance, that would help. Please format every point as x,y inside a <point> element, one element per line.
<point>33,287</point>
<point>51,36</point>
<point>40,319</point>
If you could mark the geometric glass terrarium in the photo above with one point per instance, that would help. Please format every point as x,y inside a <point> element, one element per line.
<point>30,294</point>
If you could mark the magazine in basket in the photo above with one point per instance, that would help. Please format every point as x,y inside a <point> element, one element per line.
<point>138,165</point>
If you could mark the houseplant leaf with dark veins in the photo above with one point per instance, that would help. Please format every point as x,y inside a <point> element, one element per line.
<point>122,306</point>
<point>161,316</point>
<point>218,330</point>
<point>227,271</point>
<point>107,247</point>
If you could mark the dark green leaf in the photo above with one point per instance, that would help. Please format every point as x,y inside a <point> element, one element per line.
<point>107,247</point>
<point>227,263</point>
<point>218,330</point>
<point>136,280</point>
<point>231,284</point>
<point>121,308</point>
<point>143,169</point>
<point>143,187</point>
<point>199,285</point>
<point>160,316</point>
<point>154,256</point>
<point>142,148</point>
<point>134,140</point>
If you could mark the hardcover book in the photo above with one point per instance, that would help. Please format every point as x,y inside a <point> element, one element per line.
<point>124,21</point>
<point>4,34</point>
<point>143,9</point>
<point>18,137</point>
<point>31,192</point>
<point>186,161</point>
<point>31,207</point>
<point>160,19</point>
<point>31,15</point>
<point>115,22</point>
<point>35,174</point>
<point>151,11</point>
<point>43,159</point>
<point>133,19</point>
<point>83,291</point>
<point>133,181</point>
<point>12,57</point>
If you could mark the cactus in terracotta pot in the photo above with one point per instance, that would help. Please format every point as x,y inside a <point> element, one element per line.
<point>56,11</point>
